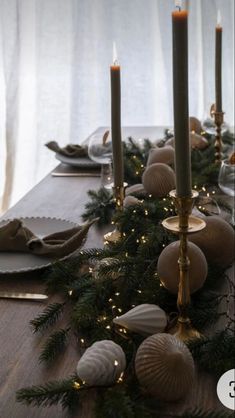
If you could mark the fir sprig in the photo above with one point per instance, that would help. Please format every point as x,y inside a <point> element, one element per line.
<point>48,317</point>
<point>54,345</point>
<point>49,394</point>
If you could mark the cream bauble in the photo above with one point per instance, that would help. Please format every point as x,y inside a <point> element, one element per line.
<point>101,364</point>
<point>195,125</point>
<point>168,267</point>
<point>130,201</point>
<point>165,367</point>
<point>163,155</point>
<point>145,319</point>
<point>137,189</point>
<point>158,179</point>
<point>216,240</point>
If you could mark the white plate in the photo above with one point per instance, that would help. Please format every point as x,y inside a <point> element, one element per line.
<point>77,162</point>
<point>16,262</point>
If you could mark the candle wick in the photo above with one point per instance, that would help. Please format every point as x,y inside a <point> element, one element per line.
<point>115,62</point>
<point>178,7</point>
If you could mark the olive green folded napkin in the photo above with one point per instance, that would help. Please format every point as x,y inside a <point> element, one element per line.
<point>15,236</point>
<point>71,150</point>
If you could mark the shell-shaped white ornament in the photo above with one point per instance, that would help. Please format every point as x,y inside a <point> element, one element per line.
<point>163,155</point>
<point>135,189</point>
<point>197,141</point>
<point>131,201</point>
<point>158,179</point>
<point>145,319</point>
<point>102,364</point>
<point>165,367</point>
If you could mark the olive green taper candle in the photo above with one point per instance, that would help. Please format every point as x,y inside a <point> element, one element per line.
<point>118,169</point>
<point>180,93</point>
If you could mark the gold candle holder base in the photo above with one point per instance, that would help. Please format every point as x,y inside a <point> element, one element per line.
<point>184,224</point>
<point>219,120</point>
<point>115,235</point>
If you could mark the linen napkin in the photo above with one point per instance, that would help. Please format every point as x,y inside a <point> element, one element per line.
<point>15,236</point>
<point>71,150</point>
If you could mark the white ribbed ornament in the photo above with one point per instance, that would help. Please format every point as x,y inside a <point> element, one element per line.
<point>158,179</point>
<point>145,319</point>
<point>102,364</point>
<point>165,367</point>
<point>163,155</point>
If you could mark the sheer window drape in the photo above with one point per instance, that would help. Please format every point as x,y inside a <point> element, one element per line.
<point>54,73</point>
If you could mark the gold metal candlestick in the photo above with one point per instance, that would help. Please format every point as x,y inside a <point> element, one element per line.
<point>184,224</point>
<point>219,120</point>
<point>118,193</point>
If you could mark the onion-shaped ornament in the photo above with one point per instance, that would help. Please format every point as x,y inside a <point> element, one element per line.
<point>165,367</point>
<point>163,155</point>
<point>158,179</point>
<point>168,267</point>
<point>145,319</point>
<point>102,364</point>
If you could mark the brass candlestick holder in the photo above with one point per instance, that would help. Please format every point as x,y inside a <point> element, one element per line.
<point>219,120</point>
<point>184,224</point>
<point>118,193</point>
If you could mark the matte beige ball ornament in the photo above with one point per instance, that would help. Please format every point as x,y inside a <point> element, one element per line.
<point>195,125</point>
<point>158,179</point>
<point>216,240</point>
<point>168,267</point>
<point>145,319</point>
<point>102,364</point>
<point>165,367</point>
<point>163,155</point>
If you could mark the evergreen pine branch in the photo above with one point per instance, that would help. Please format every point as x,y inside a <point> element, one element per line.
<point>100,206</point>
<point>215,354</point>
<point>199,413</point>
<point>49,394</point>
<point>114,403</point>
<point>48,317</point>
<point>54,345</point>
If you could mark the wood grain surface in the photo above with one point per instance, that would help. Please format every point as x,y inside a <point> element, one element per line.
<point>19,348</point>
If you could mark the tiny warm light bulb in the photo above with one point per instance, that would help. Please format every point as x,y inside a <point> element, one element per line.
<point>115,58</point>
<point>219,18</point>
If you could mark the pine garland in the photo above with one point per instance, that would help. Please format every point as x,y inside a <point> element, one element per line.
<point>204,173</point>
<point>98,284</point>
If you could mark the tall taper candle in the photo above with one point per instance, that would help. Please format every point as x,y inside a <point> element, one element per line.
<point>181,113</point>
<point>218,65</point>
<point>118,170</point>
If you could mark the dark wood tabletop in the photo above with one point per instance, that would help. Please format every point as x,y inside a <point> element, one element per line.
<point>61,197</point>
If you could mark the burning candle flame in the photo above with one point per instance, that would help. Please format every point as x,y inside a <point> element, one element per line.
<point>115,59</point>
<point>219,18</point>
<point>178,4</point>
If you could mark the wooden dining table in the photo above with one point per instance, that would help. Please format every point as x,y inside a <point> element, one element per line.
<point>61,197</point>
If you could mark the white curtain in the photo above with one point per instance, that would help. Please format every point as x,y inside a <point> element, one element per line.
<point>54,73</point>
